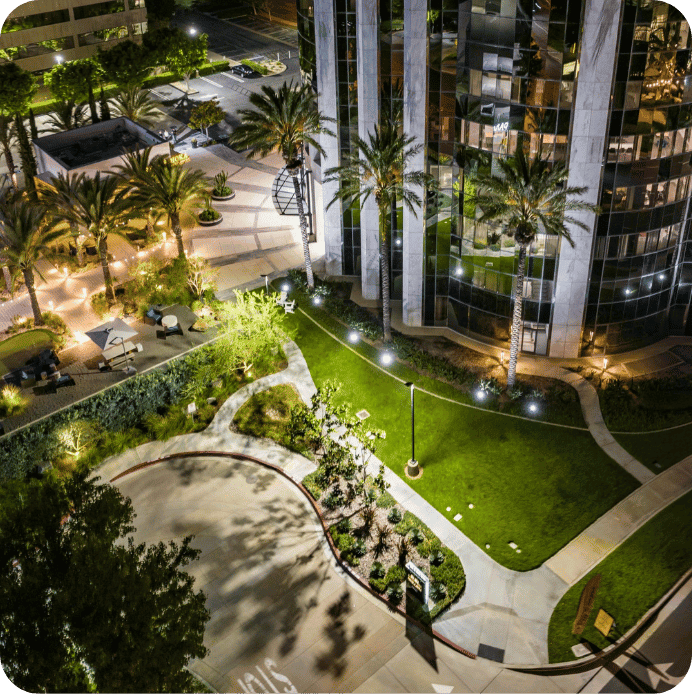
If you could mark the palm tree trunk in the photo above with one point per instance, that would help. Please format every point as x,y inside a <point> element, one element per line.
<point>8,280</point>
<point>175,226</point>
<point>303,227</point>
<point>384,273</point>
<point>108,280</point>
<point>150,225</point>
<point>516,318</point>
<point>29,281</point>
<point>9,159</point>
<point>74,230</point>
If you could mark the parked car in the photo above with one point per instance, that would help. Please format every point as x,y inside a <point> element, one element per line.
<point>244,71</point>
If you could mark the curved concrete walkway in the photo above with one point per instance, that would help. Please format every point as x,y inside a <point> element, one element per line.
<point>503,614</point>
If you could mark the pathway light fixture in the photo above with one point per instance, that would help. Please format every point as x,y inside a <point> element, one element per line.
<point>353,336</point>
<point>386,358</point>
<point>412,465</point>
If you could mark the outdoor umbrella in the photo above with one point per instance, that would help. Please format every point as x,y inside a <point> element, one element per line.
<point>114,332</point>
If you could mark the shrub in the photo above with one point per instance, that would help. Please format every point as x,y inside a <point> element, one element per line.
<point>417,536</point>
<point>385,500</point>
<point>450,574</point>
<point>377,570</point>
<point>209,215</point>
<point>367,515</point>
<point>395,594</point>
<point>344,525</point>
<point>437,592</point>
<point>332,500</point>
<point>403,548</point>
<point>395,575</point>
<point>221,189</point>
<point>437,558</point>
<point>383,533</point>
<point>359,548</point>
<point>311,482</point>
<point>12,402</point>
<point>257,67</point>
<point>394,516</point>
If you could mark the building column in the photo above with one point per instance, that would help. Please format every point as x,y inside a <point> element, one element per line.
<point>587,149</point>
<point>415,109</point>
<point>327,84</point>
<point>367,37</point>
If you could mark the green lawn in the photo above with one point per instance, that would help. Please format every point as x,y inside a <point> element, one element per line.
<point>15,350</point>
<point>633,578</point>
<point>663,447</point>
<point>530,483</point>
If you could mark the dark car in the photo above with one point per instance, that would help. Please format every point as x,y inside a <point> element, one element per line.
<point>244,71</point>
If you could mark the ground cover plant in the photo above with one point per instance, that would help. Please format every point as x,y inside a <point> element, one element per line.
<point>15,350</point>
<point>533,484</point>
<point>658,450</point>
<point>633,579</point>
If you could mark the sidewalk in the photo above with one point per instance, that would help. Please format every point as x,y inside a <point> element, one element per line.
<point>503,615</point>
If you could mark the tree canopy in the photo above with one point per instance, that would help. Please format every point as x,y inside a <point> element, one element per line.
<point>82,606</point>
<point>17,89</point>
<point>71,81</point>
<point>173,48</point>
<point>127,64</point>
<point>206,114</point>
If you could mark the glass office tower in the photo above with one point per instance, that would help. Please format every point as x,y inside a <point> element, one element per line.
<point>606,88</point>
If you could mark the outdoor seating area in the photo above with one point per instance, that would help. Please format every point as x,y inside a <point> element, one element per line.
<point>282,300</point>
<point>39,367</point>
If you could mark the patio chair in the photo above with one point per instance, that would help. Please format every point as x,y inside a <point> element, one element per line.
<point>281,299</point>
<point>139,347</point>
<point>153,316</point>
<point>65,380</point>
<point>290,307</point>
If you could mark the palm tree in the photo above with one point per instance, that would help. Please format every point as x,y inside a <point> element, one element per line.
<point>132,172</point>
<point>136,104</point>
<point>67,116</point>
<point>378,168</point>
<point>101,207</point>
<point>284,120</point>
<point>171,190</point>
<point>527,199</point>
<point>24,235</point>
<point>59,194</point>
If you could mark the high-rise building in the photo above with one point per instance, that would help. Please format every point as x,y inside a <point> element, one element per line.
<point>38,32</point>
<point>604,85</point>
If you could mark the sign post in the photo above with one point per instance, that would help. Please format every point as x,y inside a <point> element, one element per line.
<point>418,582</point>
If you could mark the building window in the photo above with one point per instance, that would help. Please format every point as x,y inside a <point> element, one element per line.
<point>102,35</point>
<point>35,20</point>
<point>98,9</point>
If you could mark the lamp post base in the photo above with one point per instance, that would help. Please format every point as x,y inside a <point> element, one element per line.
<point>412,468</point>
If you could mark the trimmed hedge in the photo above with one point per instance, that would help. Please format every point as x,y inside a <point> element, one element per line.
<point>117,409</point>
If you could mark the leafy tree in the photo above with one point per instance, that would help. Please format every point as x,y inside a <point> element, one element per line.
<point>173,48</point>
<point>284,120</point>
<point>127,64</point>
<point>378,167</point>
<point>100,207</point>
<point>172,190</point>
<point>24,235</point>
<point>136,104</point>
<point>250,330</point>
<point>74,81</point>
<point>206,114</point>
<point>17,89</point>
<point>82,606</point>
<point>526,199</point>
<point>161,12</point>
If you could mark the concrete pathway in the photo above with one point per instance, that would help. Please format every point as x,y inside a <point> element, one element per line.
<point>503,615</point>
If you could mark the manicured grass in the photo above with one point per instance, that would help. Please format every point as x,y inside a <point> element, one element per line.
<point>266,414</point>
<point>663,447</point>
<point>633,578</point>
<point>530,483</point>
<point>15,350</point>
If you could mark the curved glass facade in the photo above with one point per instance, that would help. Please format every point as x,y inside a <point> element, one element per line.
<point>646,179</point>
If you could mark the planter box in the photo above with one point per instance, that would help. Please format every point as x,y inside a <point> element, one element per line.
<point>225,197</point>
<point>210,224</point>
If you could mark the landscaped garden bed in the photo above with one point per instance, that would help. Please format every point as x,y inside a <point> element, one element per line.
<point>634,577</point>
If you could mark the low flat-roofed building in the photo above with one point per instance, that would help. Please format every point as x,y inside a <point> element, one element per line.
<point>92,148</point>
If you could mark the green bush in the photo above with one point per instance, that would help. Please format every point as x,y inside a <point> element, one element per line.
<point>394,516</point>
<point>437,558</point>
<point>255,66</point>
<point>395,594</point>
<point>385,500</point>
<point>451,575</point>
<point>395,575</point>
<point>12,402</point>
<point>312,483</point>
<point>359,548</point>
<point>377,570</point>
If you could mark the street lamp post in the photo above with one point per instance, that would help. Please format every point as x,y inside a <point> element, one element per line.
<point>412,467</point>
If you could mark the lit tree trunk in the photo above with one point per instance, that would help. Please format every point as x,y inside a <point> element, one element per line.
<point>5,140</point>
<point>92,105</point>
<point>516,318</point>
<point>29,281</point>
<point>108,280</point>
<point>175,226</point>
<point>32,125</point>
<point>384,273</point>
<point>74,230</point>
<point>8,280</point>
<point>150,224</point>
<point>303,226</point>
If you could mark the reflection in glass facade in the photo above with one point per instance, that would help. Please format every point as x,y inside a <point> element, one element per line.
<point>503,74</point>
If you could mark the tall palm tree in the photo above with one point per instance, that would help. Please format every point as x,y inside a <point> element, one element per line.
<point>67,116</point>
<point>378,168</point>
<point>24,235</point>
<point>101,207</point>
<point>136,104</point>
<point>132,172</point>
<point>59,194</point>
<point>527,199</point>
<point>172,190</point>
<point>284,119</point>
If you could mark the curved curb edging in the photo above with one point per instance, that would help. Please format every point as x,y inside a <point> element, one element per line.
<point>325,531</point>
<point>614,650</point>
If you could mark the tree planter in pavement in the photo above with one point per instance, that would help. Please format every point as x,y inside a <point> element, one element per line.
<point>211,223</point>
